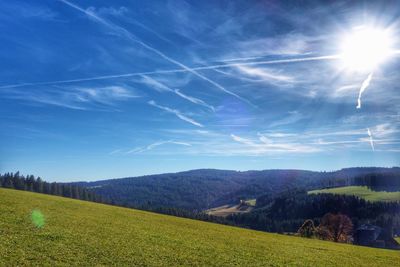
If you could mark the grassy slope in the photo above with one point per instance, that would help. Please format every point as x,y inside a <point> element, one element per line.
<point>83,233</point>
<point>361,191</point>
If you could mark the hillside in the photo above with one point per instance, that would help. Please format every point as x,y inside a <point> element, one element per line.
<point>83,233</point>
<point>362,192</point>
<point>288,211</point>
<point>207,188</point>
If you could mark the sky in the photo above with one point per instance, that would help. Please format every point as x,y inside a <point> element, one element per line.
<point>104,89</point>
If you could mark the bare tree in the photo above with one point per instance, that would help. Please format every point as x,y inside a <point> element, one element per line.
<point>335,227</point>
<point>307,229</point>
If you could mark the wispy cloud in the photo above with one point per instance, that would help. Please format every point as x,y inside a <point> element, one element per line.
<point>243,140</point>
<point>346,89</point>
<point>105,95</point>
<point>371,141</point>
<point>292,117</point>
<point>80,98</point>
<point>154,145</point>
<point>27,10</point>
<point>265,74</point>
<point>109,11</point>
<point>364,86</point>
<point>176,112</point>
<point>193,99</point>
<point>160,87</point>
<point>116,151</point>
<point>267,145</point>
<point>127,34</point>
<point>215,143</point>
<point>154,84</point>
<point>208,67</point>
<point>288,44</point>
<point>385,130</point>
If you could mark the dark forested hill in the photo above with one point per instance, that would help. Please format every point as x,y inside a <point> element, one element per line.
<point>287,211</point>
<point>206,188</point>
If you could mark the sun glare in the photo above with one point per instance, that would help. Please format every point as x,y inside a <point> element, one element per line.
<point>365,48</point>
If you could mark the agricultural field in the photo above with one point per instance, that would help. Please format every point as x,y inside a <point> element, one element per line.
<point>227,210</point>
<point>45,230</point>
<point>362,192</point>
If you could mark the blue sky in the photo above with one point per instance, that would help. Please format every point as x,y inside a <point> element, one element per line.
<point>99,89</point>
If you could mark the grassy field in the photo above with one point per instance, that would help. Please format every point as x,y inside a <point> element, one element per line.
<point>77,233</point>
<point>251,202</point>
<point>226,210</point>
<point>362,192</point>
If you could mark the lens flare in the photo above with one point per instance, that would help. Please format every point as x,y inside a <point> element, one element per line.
<point>37,218</point>
<point>365,48</point>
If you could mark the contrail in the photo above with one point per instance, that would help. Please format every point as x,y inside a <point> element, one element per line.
<point>210,67</point>
<point>162,87</point>
<point>371,141</point>
<point>132,37</point>
<point>364,86</point>
<point>193,100</point>
<point>176,112</point>
<point>151,146</point>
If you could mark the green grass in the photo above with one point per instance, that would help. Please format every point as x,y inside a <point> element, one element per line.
<point>362,192</point>
<point>251,202</point>
<point>77,233</point>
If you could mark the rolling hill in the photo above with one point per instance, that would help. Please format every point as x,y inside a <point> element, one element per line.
<point>208,188</point>
<point>362,192</point>
<point>75,233</point>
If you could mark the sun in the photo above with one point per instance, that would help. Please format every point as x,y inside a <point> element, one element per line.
<point>365,48</point>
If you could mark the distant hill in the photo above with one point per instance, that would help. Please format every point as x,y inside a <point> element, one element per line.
<point>287,211</point>
<point>362,192</point>
<point>208,188</point>
<point>79,233</point>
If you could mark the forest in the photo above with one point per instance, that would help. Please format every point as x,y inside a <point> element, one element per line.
<point>197,190</point>
<point>33,184</point>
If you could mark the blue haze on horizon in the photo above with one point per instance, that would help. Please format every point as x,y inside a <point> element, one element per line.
<point>104,89</point>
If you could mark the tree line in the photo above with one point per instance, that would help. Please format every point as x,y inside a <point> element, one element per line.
<point>389,181</point>
<point>33,184</point>
<point>288,211</point>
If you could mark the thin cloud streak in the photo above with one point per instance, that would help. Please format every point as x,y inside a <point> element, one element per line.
<point>154,145</point>
<point>155,84</point>
<point>268,146</point>
<point>125,33</point>
<point>176,112</point>
<point>193,99</point>
<point>160,87</point>
<point>210,67</point>
<point>264,74</point>
<point>75,98</point>
<point>364,86</point>
<point>371,140</point>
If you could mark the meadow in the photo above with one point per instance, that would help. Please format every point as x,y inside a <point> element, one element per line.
<point>251,202</point>
<point>37,229</point>
<point>362,192</point>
